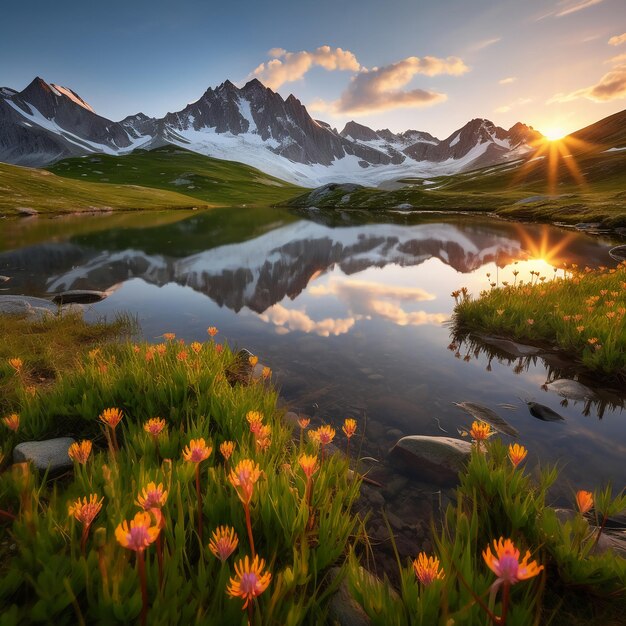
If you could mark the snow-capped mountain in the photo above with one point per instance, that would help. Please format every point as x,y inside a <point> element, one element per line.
<point>252,124</point>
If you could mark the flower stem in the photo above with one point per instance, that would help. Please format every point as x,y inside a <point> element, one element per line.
<point>7,514</point>
<point>595,543</point>
<point>250,613</point>
<point>144,590</point>
<point>199,494</point>
<point>505,603</point>
<point>83,541</point>
<point>246,507</point>
<point>348,449</point>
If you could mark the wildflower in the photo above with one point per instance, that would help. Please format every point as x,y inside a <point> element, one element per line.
<point>218,348</point>
<point>161,349</point>
<point>169,336</point>
<point>80,451</point>
<point>530,322</point>
<point>227,448</point>
<point>12,422</point>
<point>85,511</point>
<point>182,355</point>
<point>308,463</point>
<point>584,500</point>
<point>223,542</point>
<point>349,427</point>
<point>303,422</point>
<point>196,347</point>
<point>255,419</point>
<point>243,478</point>
<point>325,434</point>
<point>149,354</point>
<point>592,340</point>
<point>197,451</point>
<point>16,364</point>
<point>500,311</point>
<point>266,373</point>
<point>517,454</point>
<point>111,417</point>
<point>152,497</point>
<point>139,534</point>
<point>253,360</point>
<point>480,431</point>
<point>427,569</point>
<point>249,581</point>
<point>93,354</point>
<point>212,331</point>
<point>580,328</point>
<point>154,426</point>
<point>506,564</point>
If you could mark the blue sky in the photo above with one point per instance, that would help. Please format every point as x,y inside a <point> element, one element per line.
<point>403,64</point>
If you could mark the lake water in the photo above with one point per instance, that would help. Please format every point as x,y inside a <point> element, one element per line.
<point>349,311</point>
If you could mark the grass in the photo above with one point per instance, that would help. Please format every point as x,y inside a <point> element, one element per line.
<point>68,572</point>
<point>581,313</point>
<point>523,191</point>
<point>49,349</point>
<point>174,169</point>
<point>23,187</point>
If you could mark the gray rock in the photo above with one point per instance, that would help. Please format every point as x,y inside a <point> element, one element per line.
<point>618,253</point>
<point>571,389</point>
<point>25,210</point>
<point>4,279</point>
<point>510,347</point>
<point>25,305</point>
<point>291,419</point>
<point>50,454</point>
<point>79,296</point>
<point>436,459</point>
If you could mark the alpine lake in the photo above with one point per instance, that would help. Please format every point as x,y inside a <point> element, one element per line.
<point>351,312</point>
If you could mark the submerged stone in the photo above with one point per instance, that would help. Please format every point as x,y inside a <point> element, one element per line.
<point>510,347</point>
<point>571,389</point>
<point>79,296</point>
<point>544,413</point>
<point>50,454</point>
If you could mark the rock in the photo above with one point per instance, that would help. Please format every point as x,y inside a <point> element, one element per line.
<point>25,305</point>
<point>50,454</point>
<point>612,540</point>
<point>571,389</point>
<point>437,459</point>
<point>510,347</point>
<point>542,412</point>
<point>291,419</point>
<point>343,609</point>
<point>79,296</point>
<point>4,279</point>
<point>26,211</point>
<point>618,253</point>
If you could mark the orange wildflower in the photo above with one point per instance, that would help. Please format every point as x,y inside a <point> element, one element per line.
<point>266,373</point>
<point>152,497</point>
<point>584,500</point>
<point>517,453</point>
<point>149,354</point>
<point>161,349</point>
<point>308,463</point>
<point>80,451</point>
<point>227,448</point>
<point>255,419</point>
<point>111,417</point>
<point>154,426</point>
<point>182,355</point>
<point>480,431</point>
<point>249,581</point>
<point>243,478</point>
<point>169,336</point>
<point>349,427</point>
<point>85,511</point>
<point>212,331</point>
<point>12,422</point>
<point>137,535</point>
<point>253,360</point>
<point>303,422</point>
<point>197,451</point>
<point>427,568</point>
<point>325,434</point>
<point>506,564</point>
<point>223,542</point>
<point>196,346</point>
<point>16,364</point>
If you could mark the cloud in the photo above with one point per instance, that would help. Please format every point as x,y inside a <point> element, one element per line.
<point>356,287</point>
<point>288,320</point>
<point>286,67</point>
<point>617,40</point>
<point>481,45</point>
<point>620,58</point>
<point>512,105</point>
<point>380,88</point>
<point>610,87</point>
<point>573,6</point>
<point>508,80</point>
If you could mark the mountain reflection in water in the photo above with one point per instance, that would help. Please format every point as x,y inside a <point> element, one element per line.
<point>351,318</point>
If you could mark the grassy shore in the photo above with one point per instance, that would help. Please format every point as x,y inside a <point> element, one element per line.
<point>577,310</point>
<point>180,445</point>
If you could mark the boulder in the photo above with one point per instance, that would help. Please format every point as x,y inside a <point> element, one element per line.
<point>26,305</point>
<point>433,459</point>
<point>50,454</point>
<point>79,296</point>
<point>618,253</point>
<point>571,389</point>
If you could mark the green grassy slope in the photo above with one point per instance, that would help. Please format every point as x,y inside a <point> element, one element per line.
<point>215,181</point>
<point>587,186</point>
<point>41,190</point>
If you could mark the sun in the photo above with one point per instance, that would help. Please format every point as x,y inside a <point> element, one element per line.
<point>554,134</point>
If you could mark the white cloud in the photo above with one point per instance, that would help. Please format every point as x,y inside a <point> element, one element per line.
<point>573,6</point>
<point>380,88</point>
<point>286,67</point>
<point>610,87</point>
<point>508,80</point>
<point>617,40</point>
<point>287,320</point>
<point>481,45</point>
<point>620,58</point>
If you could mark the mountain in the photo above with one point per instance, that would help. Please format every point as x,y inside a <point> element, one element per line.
<point>254,125</point>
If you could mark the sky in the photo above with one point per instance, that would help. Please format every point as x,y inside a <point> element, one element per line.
<point>557,65</point>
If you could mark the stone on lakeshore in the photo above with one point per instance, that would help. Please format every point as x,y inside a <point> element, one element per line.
<point>50,454</point>
<point>343,609</point>
<point>25,305</point>
<point>79,296</point>
<point>571,389</point>
<point>510,347</point>
<point>435,459</point>
<point>26,211</point>
<point>618,253</point>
